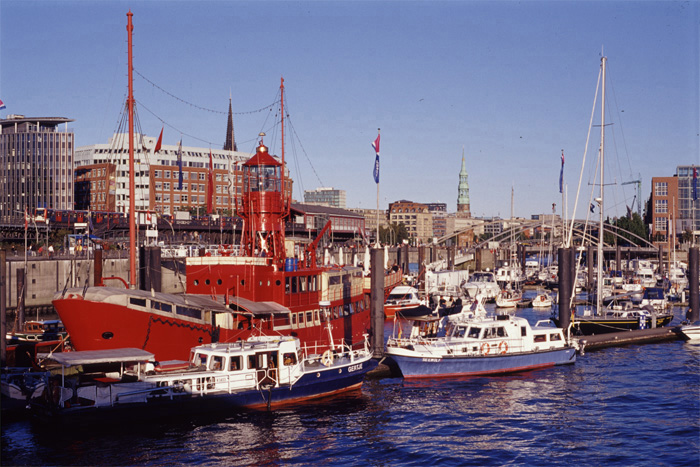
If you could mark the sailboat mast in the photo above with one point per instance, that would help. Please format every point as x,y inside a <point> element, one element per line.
<point>132,198</point>
<point>284,200</point>
<point>599,298</point>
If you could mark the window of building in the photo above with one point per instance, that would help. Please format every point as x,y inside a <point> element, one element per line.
<point>166,173</point>
<point>166,186</point>
<point>661,206</point>
<point>660,224</point>
<point>661,189</point>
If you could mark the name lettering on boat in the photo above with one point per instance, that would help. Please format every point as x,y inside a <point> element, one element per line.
<point>352,368</point>
<point>431,360</point>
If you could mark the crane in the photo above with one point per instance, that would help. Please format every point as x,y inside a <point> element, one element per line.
<point>638,196</point>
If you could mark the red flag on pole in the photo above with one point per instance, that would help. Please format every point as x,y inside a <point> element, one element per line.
<point>160,141</point>
<point>210,185</point>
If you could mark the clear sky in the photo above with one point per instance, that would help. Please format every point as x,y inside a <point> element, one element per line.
<point>511,82</point>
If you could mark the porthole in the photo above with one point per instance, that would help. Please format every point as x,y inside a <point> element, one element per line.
<point>278,282</point>
<point>107,335</point>
<point>218,282</point>
<point>207,282</point>
<point>196,282</point>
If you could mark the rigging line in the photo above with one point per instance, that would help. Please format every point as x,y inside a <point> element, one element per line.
<point>583,162</point>
<point>304,151</point>
<point>198,106</point>
<point>622,131</point>
<point>171,126</point>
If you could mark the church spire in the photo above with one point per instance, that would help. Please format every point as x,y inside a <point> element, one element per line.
<point>230,144</point>
<point>463,190</point>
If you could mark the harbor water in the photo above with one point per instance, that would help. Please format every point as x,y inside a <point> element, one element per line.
<point>633,405</point>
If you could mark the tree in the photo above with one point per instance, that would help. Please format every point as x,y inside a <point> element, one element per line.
<point>629,227</point>
<point>392,234</point>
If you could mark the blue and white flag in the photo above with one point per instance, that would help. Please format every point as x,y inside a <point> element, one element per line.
<point>2,105</point>
<point>375,145</point>
<point>561,173</point>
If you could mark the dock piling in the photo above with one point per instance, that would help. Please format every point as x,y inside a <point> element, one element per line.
<point>377,301</point>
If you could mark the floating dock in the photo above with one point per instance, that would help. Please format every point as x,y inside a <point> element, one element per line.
<point>641,336</point>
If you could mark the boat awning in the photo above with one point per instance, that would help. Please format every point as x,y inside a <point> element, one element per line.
<point>87,357</point>
<point>258,308</point>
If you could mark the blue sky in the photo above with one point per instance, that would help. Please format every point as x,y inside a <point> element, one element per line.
<point>511,82</point>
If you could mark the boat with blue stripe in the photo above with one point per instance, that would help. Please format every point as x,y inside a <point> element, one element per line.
<point>473,344</point>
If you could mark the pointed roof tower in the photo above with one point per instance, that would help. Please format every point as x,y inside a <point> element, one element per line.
<point>463,190</point>
<point>230,144</point>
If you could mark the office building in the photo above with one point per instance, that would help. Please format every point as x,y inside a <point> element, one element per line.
<point>37,168</point>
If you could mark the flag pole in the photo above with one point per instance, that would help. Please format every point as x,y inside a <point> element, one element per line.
<point>375,145</point>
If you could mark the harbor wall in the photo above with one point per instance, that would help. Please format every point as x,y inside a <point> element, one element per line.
<point>47,276</point>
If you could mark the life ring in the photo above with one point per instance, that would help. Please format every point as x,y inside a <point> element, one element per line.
<point>503,347</point>
<point>485,348</point>
<point>327,358</point>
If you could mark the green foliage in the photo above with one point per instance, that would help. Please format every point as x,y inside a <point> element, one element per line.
<point>393,234</point>
<point>629,228</point>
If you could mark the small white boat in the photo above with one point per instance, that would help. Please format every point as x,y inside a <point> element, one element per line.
<point>474,344</point>
<point>542,300</point>
<point>691,332</point>
<point>404,299</point>
<point>508,298</point>
<point>483,283</point>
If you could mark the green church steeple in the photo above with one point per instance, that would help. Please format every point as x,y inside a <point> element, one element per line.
<point>463,189</point>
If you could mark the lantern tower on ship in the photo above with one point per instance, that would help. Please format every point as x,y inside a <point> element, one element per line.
<point>264,210</point>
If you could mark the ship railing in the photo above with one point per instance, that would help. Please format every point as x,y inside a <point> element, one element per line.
<point>168,391</point>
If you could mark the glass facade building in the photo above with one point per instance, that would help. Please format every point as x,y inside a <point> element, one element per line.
<point>36,169</point>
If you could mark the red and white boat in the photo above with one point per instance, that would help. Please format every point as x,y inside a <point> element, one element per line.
<point>265,288</point>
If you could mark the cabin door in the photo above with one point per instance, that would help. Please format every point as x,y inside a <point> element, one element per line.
<point>266,364</point>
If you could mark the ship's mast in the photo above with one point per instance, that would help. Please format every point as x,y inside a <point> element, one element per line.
<point>284,200</point>
<point>132,198</point>
<point>599,298</point>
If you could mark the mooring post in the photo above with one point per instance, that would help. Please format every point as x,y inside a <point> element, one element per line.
<point>156,271</point>
<point>564,287</point>
<point>3,308</point>
<point>377,301</point>
<point>694,312</point>
<point>97,270</point>
<point>21,297</point>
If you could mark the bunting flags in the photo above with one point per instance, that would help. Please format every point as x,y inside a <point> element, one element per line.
<point>561,174</point>
<point>375,145</point>
<point>179,164</point>
<point>160,141</point>
<point>210,185</point>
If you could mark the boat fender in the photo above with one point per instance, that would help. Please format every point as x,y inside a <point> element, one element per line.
<point>485,348</point>
<point>503,347</point>
<point>327,358</point>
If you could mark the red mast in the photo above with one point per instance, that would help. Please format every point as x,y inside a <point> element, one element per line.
<point>132,198</point>
<point>284,200</point>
